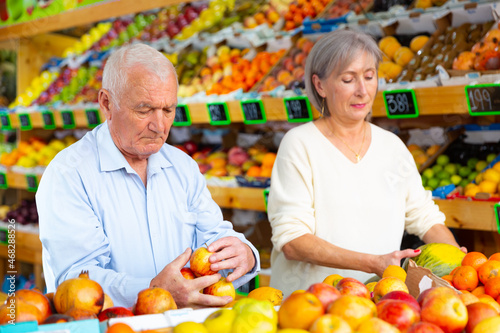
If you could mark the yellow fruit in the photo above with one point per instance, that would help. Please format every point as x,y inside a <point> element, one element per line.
<point>220,321</point>
<point>190,327</point>
<point>394,71</point>
<point>492,175</point>
<point>386,41</point>
<point>395,271</point>
<point>487,186</point>
<point>471,190</point>
<point>391,49</point>
<point>413,147</point>
<point>370,286</point>
<point>432,150</point>
<point>403,56</point>
<point>423,4</point>
<point>496,166</point>
<point>270,294</point>
<point>418,43</point>
<point>333,279</point>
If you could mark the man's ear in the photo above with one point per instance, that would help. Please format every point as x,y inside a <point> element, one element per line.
<point>104,99</point>
<point>318,85</point>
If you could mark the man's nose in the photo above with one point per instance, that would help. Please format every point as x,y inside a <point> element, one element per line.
<point>157,123</point>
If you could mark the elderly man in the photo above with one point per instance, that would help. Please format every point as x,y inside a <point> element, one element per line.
<point>129,208</point>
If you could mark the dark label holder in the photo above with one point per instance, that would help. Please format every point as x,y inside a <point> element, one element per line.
<point>93,117</point>
<point>5,121</point>
<point>68,119</point>
<point>48,120</point>
<point>483,99</point>
<point>298,109</point>
<point>218,113</point>
<point>182,115</point>
<point>400,104</point>
<point>25,122</point>
<point>32,183</point>
<point>3,181</point>
<point>253,112</point>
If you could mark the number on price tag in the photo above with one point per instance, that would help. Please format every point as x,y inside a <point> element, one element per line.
<point>400,104</point>
<point>483,99</point>
<point>497,215</point>
<point>68,118</point>
<point>25,122</point>
<point>32,182</point>
<point>182,116</point>
<point>48,120</point>
<point>266,196</point>
<point>5,120</point>
<point>218,113</point>
<point>93,117</point>
<point>298,109</point>
<point>253,112</point>
<point>3,181</point>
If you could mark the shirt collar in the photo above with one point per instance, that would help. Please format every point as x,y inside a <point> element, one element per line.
<point>111,158</point>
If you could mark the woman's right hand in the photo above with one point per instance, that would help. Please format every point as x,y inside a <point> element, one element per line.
<point>393,258</point>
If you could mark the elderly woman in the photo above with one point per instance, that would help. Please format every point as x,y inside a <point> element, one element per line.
<point>343,190</point>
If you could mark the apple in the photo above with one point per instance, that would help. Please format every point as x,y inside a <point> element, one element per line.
<point>325,293</point>
<point>445,310</point>
<point>221,288</point>
<point>376,325</point>
<point>350,286</point>
<point>423,327</point>
<point>353,309</point>
<point>154,300</point>
<point>402,296</point>
<point>199,263</point>
<point>398,313</point>
<point>181,148</point>
<point>114,312</point>
<point>433,291</point>
<point>57,318</point>
<point>187,273</point>
<point>386,285</point>
<point>478,312</point>
<point>220,320</point>
<point>330,324</point>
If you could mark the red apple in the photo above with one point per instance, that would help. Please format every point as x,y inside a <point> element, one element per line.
<point>181,148</point>
<point>398,313</point>
<point>433,291</point>
<point>199,262</point>
<point>191,147</point>
<point>402,296</point>
<point>325,293</point>
<point>423,327</point>
<point>187,273</point>
<point>221,288</point>
<point>350,286</point>
<point>114,312</point>
<point>442,307</point>
<point>477,312</point>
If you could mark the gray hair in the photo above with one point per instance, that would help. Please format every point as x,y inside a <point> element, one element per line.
<point>115,74</point>
<point>334,52</point>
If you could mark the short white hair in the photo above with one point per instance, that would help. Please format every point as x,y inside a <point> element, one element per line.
<point>115,74</point>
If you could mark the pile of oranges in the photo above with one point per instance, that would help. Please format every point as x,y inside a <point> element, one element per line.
<point>301,9</point>
<point>478,278</point>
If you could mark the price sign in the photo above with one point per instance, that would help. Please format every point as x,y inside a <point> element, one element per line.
<point>32,182</point>
<point>182,116</point>
<point>3,181</point>
<point>93,117</point>
<point>4,236</point>
<point>266,196</point>
<point>5,121</point>
<point>400,104</point>
<point>298,109</point>
<point>68,118</point>
<point>253,112</point>
<point>218,113</point>
<point>497,215</point>
<point>48,120</point>
<point>483,99</point>
<point>25,122</point>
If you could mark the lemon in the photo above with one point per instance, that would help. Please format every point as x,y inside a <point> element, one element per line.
<point>394,271</point>
<point>471,190</point>
<point>190,327</point>
<point>488,186</point>
<point>220,321</point>
<point>492,175</point>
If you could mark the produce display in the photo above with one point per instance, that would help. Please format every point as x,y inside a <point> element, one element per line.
<point>301,9</point>
<point>7,77</point>
<point>342,7</point>
<point>24,213</point>
<point>484,55</point>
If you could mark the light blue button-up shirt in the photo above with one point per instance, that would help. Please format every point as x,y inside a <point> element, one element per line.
<point>96,214</point>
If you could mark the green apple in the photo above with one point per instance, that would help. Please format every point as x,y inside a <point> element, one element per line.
<point>464,182</point>
<point>436,168</point>
<point>264,307</point>
<point>220,321</point>
<point>444,182</point>
<point>241,303</point>
<point>451,168</point>
<point>491,157</point>
<point>424,180</point>
<point>455,179</point>
<point>472,176</point>
<point>464,171</point>
<point>443,175</point>
<point>481,165</point>
<point>433,183</point>
<point>471,162</point>
<point>443,160</point>
<point>428,173</point>
<point>253,322</point>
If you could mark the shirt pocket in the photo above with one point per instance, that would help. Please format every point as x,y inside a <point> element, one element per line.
<point>187,222</point>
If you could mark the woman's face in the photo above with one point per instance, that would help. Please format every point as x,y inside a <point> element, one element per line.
<point>350,94</point>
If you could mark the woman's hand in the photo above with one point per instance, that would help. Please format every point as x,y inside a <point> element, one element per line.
<point>393,258</point>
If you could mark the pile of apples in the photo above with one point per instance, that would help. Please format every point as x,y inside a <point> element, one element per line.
<point>256,161</point>
<point>35,152</point>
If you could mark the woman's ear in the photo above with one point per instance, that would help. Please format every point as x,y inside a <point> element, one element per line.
<point>318,85</point>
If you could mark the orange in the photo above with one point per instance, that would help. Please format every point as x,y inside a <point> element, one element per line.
<point>265,172</point>
<point>489,300</point>
<point>448,278</point>
<point>120,328</point>
<point>253,171</point>
<point>395,271</point>
<point>268,160</point>
<point>492,287</point>
<point>474,259</point>
<point>495,256</point>
<point>488,270</point>
<point>478,291</point>
<point>454,271</point>
<point>465,278</point>
<point>300,311</point>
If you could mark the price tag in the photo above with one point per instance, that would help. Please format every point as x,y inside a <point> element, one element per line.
<point>266,196</point>
<point>93,117</point>
<point>298,109</point>
<point>182,116</point>
<point>253,112</point>
<point>48,120</point>
<point>4,236</point>
<point>483,99</point>
<point>400,104</point>
<point>68,118</point>
<point>25,122</point>
<point>497,215</point>
<point>32,182</point>
<point>218,113</point>
<point>5,120</point>
<point>3,181</point>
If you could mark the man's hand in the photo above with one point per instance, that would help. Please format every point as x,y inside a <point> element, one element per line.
<point>231,253</point>
<point>186,293</point>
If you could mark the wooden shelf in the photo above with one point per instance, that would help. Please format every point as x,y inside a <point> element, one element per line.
<point>81,16</point>
<point>239,197</point>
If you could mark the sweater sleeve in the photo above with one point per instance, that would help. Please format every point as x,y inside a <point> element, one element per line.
<point>290,206</point>
<point>421,211</point>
